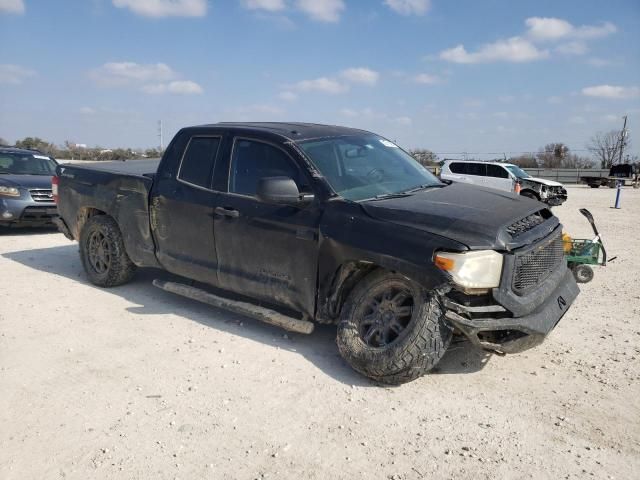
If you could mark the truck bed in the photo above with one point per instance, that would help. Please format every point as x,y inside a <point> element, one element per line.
<point>118,189</point>
<point>145,167</point>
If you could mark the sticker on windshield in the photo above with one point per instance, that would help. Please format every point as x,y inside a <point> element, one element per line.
<point>387,143</point>
<point>41,157</point>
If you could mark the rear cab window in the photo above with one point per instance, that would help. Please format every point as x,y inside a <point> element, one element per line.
<point>198,160</point>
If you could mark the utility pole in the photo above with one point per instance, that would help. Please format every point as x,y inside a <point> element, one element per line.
<point>160,135</point>
<point>623,140</point>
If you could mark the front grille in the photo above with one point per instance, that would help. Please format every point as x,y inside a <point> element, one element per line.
<point>533,267</point>
<point>41,195</point>
<point>527,223</point>
<point>38,214</point>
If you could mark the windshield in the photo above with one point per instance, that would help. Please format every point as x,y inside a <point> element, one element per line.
<point>517,171</point>
<point>26,164</point>
<point>360,167</point>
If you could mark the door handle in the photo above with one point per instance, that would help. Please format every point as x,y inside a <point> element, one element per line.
<point>227,212</point>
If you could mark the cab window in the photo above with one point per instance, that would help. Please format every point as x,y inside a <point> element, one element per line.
<point>197,162</point>
<point>253,160</point>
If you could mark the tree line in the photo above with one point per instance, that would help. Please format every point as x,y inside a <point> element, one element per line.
<point>71,151</point>
<point>604,149</point>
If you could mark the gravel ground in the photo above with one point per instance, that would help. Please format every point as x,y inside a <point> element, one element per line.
<point>133,382</point>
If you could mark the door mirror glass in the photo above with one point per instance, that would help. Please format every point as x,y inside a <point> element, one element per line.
<point>280,190</point>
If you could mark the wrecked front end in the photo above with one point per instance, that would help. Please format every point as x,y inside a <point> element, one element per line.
<point>553,195</point>
<point>535,291</point>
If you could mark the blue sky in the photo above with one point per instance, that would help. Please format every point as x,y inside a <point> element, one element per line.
<point>475,76</point>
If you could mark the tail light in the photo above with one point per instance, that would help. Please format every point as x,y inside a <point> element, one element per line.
<point>54,188</point>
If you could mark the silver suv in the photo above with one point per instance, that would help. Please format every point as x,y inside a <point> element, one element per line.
<point>504,176</point>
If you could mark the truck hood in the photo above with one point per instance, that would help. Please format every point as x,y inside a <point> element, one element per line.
<point>26,181</point>
<point>549,183</point>
<point>474,216</point>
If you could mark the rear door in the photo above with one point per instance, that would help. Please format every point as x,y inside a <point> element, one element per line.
<point>498,178</point>
<point>265,251</point>
<point>182,208</point>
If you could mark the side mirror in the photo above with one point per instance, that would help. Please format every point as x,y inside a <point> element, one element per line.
<point>281,191</point>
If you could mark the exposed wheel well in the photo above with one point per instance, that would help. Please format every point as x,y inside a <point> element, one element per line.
<point>82,216</point>
<point>529,193</point>
<point>344,279</point>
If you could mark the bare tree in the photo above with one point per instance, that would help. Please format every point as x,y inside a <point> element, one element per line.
<point>424,156</point>
<point>605,147</point>
<point>576,161</point>
<point>524,161</point>
<point>552,154</point>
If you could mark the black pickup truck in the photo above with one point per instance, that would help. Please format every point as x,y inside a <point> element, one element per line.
<point>307,224</point>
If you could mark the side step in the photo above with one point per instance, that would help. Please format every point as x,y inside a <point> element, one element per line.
<point>254,311</point>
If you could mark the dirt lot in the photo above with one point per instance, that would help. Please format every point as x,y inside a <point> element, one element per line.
<point>133,382</point>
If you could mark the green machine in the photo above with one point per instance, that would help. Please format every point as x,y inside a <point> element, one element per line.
<point>581,253</point>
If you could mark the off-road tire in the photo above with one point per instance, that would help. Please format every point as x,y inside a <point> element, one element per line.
<point>582,273</point>
<point>119,269</point>
<point>413,353</point>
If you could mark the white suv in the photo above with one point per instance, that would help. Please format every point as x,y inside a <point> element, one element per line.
<point>503,176</point>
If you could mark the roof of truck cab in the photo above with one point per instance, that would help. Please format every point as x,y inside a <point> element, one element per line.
<point>295,131</point>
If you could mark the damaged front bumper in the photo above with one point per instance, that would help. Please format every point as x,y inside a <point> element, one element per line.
<point>515,323</point>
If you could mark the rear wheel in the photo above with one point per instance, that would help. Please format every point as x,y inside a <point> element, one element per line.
<point>583,273</point>
<point>594,185</point>
<point>391,330</point>
<point>103,254</point>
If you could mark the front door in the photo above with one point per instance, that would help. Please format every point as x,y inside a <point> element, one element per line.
<point>498,177</point>
<point>264,250</point>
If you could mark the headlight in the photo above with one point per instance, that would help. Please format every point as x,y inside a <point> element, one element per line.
<point>9,191</point>
<point>472,270</point>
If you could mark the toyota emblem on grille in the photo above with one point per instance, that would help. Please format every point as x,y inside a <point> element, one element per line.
<point>562,302</point>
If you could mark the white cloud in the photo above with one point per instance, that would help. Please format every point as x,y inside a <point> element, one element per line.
<point>165,8</point>
<point>554,100</point>
<point>153,78</point>
<point>577,120</point>
<point>409,7</point>
<point>322,10</point>
<point>599,62</point>
<point>87,111</point>
<point>12,6</point>
<point>572,48</point>
<point>361,75</point>
<point>268,5</point>
<point>514,49</point>
<point>506,98</point>
<point>348,112</point>
<point>611,91</point>
<point>426,79</point>
<point>610,118</point>
<point>177,87</point>
<point>288,96</point>
<point>403,121</point>
<point>115,74</point>
<point>14,74</point>
<point>549,29</point>
<point>322,84</point>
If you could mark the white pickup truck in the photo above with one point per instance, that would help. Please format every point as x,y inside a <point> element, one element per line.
<point>504,176</point>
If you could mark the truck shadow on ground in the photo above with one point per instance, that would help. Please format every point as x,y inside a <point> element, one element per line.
<point>319,347</point>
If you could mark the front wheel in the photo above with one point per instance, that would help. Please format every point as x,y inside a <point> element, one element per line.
<point>103,254</point>
<point>391,330</point>
<point>528,194</point>
<point>582,273</point>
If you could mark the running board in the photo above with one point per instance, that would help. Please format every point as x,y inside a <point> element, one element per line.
<point>243,308</point>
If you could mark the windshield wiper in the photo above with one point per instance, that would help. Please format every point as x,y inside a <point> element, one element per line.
<point>424,187</point>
